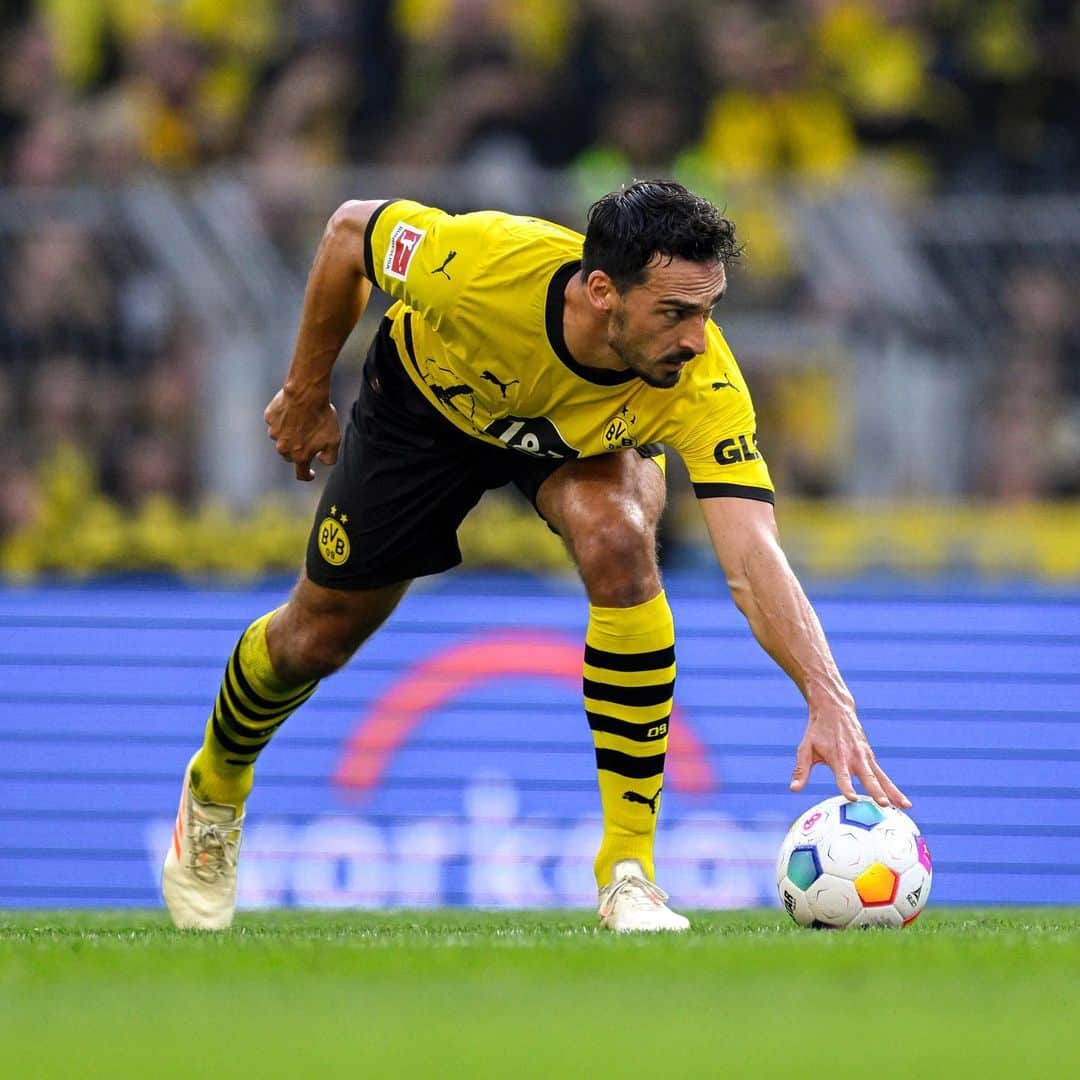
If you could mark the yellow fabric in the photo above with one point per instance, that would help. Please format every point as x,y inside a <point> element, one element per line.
<point>630,803</point>
<point>472,330</point>
<point>224,773</point>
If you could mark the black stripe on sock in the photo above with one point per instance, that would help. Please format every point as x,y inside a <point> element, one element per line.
<point>638,732</point>
<point>230,745</point>
<point>228,723</point>
<point>636,661</point>
<point>248,723</point>
<point>656,694</point>
<point>296,698</point>
<point>230,696</point>
<point>237,717</point>
<point>634,768</point>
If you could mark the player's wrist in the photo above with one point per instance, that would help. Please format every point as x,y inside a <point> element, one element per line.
<point>307,388</point>
<point>828,694</point>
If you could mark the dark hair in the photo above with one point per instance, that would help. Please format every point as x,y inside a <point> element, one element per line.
<point>628,228</point>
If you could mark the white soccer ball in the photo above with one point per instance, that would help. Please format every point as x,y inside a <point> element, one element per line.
<point>848,864</point>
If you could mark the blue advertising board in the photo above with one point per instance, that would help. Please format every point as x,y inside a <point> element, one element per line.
<point>450,762</point>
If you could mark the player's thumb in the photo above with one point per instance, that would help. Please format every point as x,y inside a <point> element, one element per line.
<point>801,773</point>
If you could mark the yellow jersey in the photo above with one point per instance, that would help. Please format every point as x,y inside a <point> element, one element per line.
<point>478,325</point>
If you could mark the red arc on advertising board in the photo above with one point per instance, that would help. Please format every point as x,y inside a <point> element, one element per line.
<point>450,672</point>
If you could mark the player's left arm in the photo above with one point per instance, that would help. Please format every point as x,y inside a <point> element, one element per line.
<point>766,591</point>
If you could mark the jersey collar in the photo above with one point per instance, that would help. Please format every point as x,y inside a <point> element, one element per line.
<point>553,318</point>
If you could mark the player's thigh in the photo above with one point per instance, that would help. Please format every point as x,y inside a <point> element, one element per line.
<point>607,510</point>
<point>316,631</point>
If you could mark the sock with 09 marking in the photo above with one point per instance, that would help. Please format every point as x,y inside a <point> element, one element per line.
<point>629,686</point>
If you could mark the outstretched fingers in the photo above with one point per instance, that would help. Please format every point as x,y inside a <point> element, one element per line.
<point>893,794</point>
<point>804,762</point>
<point>876,782</point>
<point>848,758</point>
<point>843,782</point>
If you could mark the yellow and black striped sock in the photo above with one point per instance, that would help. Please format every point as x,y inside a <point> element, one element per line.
<point>629,684</point>
<point>251,705</point>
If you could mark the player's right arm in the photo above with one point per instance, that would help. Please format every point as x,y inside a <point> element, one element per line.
<point>418,254</point>
<point>300,418</point>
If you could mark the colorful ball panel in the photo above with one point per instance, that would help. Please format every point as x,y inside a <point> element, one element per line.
<point>924,853</point>
<point>804,867</point>
<point>877,885</point>
<point>863,813</point>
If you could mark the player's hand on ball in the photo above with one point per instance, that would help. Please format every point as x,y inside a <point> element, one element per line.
<point>834,737</point>
<point>303,427</point>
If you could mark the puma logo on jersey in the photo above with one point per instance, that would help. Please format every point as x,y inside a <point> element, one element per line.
<point>728,383</point>
<point>446,262</point>
<point>490,377</point>
<point>633,796</point>
<point>404,241</point>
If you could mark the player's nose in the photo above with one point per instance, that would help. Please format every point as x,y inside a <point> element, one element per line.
<point>693,338</point>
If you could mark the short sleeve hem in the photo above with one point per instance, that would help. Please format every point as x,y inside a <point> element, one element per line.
<point>734,491</point>
<point>369,233</point>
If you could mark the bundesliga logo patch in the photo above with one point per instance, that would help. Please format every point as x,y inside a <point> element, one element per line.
<point>404,241</point>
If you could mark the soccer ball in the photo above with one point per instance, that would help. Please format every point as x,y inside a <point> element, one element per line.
<point>846,864</point>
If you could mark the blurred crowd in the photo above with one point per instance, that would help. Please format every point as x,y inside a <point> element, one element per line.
<point>972,93</point>
<point>948,96</point>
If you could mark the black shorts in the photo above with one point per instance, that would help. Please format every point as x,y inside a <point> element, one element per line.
<point>404,481</point>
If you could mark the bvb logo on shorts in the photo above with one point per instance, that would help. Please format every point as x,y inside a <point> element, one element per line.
<point>333,543</point>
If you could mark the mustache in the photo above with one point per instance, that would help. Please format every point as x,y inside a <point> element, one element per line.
<point>681,357</point>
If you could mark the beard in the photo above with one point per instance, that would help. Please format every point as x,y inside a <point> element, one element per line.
<point>650,372</point>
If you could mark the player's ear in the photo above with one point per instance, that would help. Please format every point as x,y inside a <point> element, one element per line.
<point>600,290</point>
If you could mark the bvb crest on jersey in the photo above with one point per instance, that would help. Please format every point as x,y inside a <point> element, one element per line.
<point>617,435</point>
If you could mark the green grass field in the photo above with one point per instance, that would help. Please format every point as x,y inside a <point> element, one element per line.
<point>433,994</point>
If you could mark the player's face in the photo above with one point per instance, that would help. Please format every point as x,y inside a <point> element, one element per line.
<point>658,327</point>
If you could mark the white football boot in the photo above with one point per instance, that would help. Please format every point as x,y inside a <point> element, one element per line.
<point>632,903</point>
<point>198,880</point>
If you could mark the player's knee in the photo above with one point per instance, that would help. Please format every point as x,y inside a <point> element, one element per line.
<point>313,652</point>
<point>617,562</point>
<point>306,646</point>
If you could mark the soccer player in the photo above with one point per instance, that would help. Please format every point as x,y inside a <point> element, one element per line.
<point>519,352</point>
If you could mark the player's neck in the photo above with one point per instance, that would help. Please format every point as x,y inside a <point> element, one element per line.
<point>585,332</point>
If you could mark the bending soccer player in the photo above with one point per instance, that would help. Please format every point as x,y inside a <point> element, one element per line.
<point>520,352</point>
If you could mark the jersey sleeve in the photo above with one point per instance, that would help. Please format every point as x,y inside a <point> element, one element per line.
<point>720,448</point>
<point>424,256</point>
